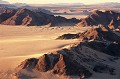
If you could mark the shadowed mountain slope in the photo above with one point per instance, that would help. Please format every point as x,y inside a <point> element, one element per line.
<point>79,60</point>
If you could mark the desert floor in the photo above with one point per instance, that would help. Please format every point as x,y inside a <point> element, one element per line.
<point>20,42</point>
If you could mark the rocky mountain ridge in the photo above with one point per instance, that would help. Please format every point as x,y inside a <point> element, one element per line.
<point>82,59</point>
<point>105,18</point>
<point>29,18</point>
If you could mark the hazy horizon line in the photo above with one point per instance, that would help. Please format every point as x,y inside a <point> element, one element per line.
<point>86,2</point>
<point>62,3</point>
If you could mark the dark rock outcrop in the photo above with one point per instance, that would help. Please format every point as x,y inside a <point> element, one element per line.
<point>104,18</point>
<point>69,36</point>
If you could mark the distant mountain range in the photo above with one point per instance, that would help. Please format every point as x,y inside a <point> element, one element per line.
<point>20,4</point>
<point>72,4</point>
<point>67,4</point>
<point>109,4</point>
<point>60,4</point>
<point>29,17</point>
<point>3,2</point>
<point>31,13</point>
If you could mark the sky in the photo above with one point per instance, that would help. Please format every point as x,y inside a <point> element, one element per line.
<point>61,1</point>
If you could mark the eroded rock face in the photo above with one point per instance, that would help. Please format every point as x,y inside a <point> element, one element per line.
<point>106,18</point>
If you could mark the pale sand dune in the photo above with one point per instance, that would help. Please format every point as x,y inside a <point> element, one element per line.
<point>22,47</point>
